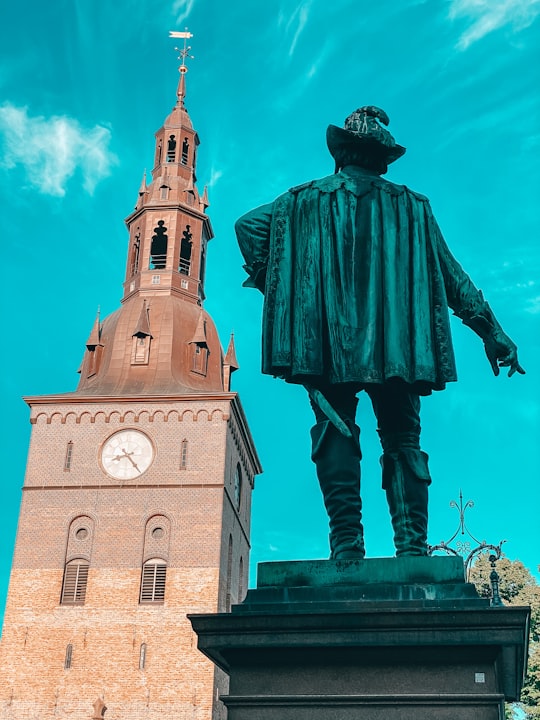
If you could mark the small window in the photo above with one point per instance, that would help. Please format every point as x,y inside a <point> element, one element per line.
<point>140,349</point>
<point>238,486</point>
<point>74,584</point>
<point>69,457</point>
<point>95,353</point>
<point>200,359</point>
<point>69,653</point>
<point>154,574</point>
<point>183,455</point>
<point>156,279</point>
<point>142,656</point>
<point>164,192</point>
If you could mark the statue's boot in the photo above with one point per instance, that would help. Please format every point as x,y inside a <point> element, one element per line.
<point>405,479</point>
<point>337,460</point>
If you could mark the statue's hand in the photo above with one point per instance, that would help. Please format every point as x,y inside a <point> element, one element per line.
<point>502,352</point>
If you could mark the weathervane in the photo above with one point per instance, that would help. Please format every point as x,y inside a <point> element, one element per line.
<point>183,52</point>
<point>463,547</point>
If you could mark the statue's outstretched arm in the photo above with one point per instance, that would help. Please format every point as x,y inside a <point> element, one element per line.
<point>253,233</point>
<point>468,303</point>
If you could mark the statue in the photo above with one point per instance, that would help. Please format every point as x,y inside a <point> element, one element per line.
<point>357,281</point>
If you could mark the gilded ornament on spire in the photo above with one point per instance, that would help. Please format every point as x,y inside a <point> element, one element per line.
<point>182,56</point>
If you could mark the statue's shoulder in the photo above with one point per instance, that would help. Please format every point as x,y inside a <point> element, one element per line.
<point>417,195</point>
<point>304,186</point>
<point>395,189</point>
<point>357,184</point>
<point>327,184</point>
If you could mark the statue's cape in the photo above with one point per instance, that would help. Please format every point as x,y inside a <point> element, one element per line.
<point>357,281</point>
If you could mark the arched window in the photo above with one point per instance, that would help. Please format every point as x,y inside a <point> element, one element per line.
<point>69,653</point>
<point>74,584</point>
<point>154,575</point>
<point>142,656</point>
<point>185,251</point>
<point>158,248</point>
<point>135,254</point>
<point>171,149</point>
<point>185,151</point>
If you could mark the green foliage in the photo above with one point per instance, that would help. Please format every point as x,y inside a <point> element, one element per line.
<point>517,587</point>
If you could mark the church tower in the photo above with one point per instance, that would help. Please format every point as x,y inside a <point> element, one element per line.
<point>137,496</point>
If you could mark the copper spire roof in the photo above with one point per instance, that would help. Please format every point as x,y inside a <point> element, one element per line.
<point>161,340</point>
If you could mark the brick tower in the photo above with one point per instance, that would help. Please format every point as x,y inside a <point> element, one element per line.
<point>137,496</point>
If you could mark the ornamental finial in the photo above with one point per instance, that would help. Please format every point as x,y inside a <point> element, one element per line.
<point>183,54</point>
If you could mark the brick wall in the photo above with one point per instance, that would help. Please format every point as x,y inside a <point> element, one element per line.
<point>197,508</point>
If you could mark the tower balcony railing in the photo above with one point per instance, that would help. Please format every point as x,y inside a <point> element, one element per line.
<point>158,262</point>
<point>184,266</point>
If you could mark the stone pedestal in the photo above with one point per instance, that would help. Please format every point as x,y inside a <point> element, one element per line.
<point>392,638</point>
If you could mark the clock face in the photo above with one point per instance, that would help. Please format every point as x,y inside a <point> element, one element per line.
<point>127,454</point>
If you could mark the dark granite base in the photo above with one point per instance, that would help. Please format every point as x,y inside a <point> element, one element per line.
<point>395,638</point>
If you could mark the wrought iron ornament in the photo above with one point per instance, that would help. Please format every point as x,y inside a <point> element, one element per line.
<point>463,548</point>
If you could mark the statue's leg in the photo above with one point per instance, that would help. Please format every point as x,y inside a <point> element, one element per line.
<point>337,459</point>
<point>405,470</point>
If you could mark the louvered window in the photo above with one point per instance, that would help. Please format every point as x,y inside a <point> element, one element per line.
<point>74,585</point>
<point>154,574</point>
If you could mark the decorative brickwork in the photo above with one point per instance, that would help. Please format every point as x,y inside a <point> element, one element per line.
<point>184,516</point>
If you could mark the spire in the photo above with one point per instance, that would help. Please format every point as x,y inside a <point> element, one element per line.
<point>143,324</point>
<point>230,364</point>
<point>230,357</point>
<point>143,186</point>
<point>204,199</point>
<point>161,340</point>
<point>94,338</point>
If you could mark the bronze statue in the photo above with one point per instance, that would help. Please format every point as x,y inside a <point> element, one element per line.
<point>357,281</point>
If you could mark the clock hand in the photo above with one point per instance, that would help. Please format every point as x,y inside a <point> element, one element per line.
<point>128,455</point>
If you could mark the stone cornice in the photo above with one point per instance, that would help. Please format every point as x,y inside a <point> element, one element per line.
<point>75,399</point>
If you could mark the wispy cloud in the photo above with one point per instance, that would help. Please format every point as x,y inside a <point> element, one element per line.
<point>215,175</point>
<point>295,23</point>
<point>533,305</point>
<point>51,150</point>
<point>485,16</point>
<point>182,8</point>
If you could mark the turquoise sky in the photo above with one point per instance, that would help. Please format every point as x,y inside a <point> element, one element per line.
<point>85,84</point>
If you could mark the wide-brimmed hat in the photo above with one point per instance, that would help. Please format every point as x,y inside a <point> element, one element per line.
<point>361,131</point>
